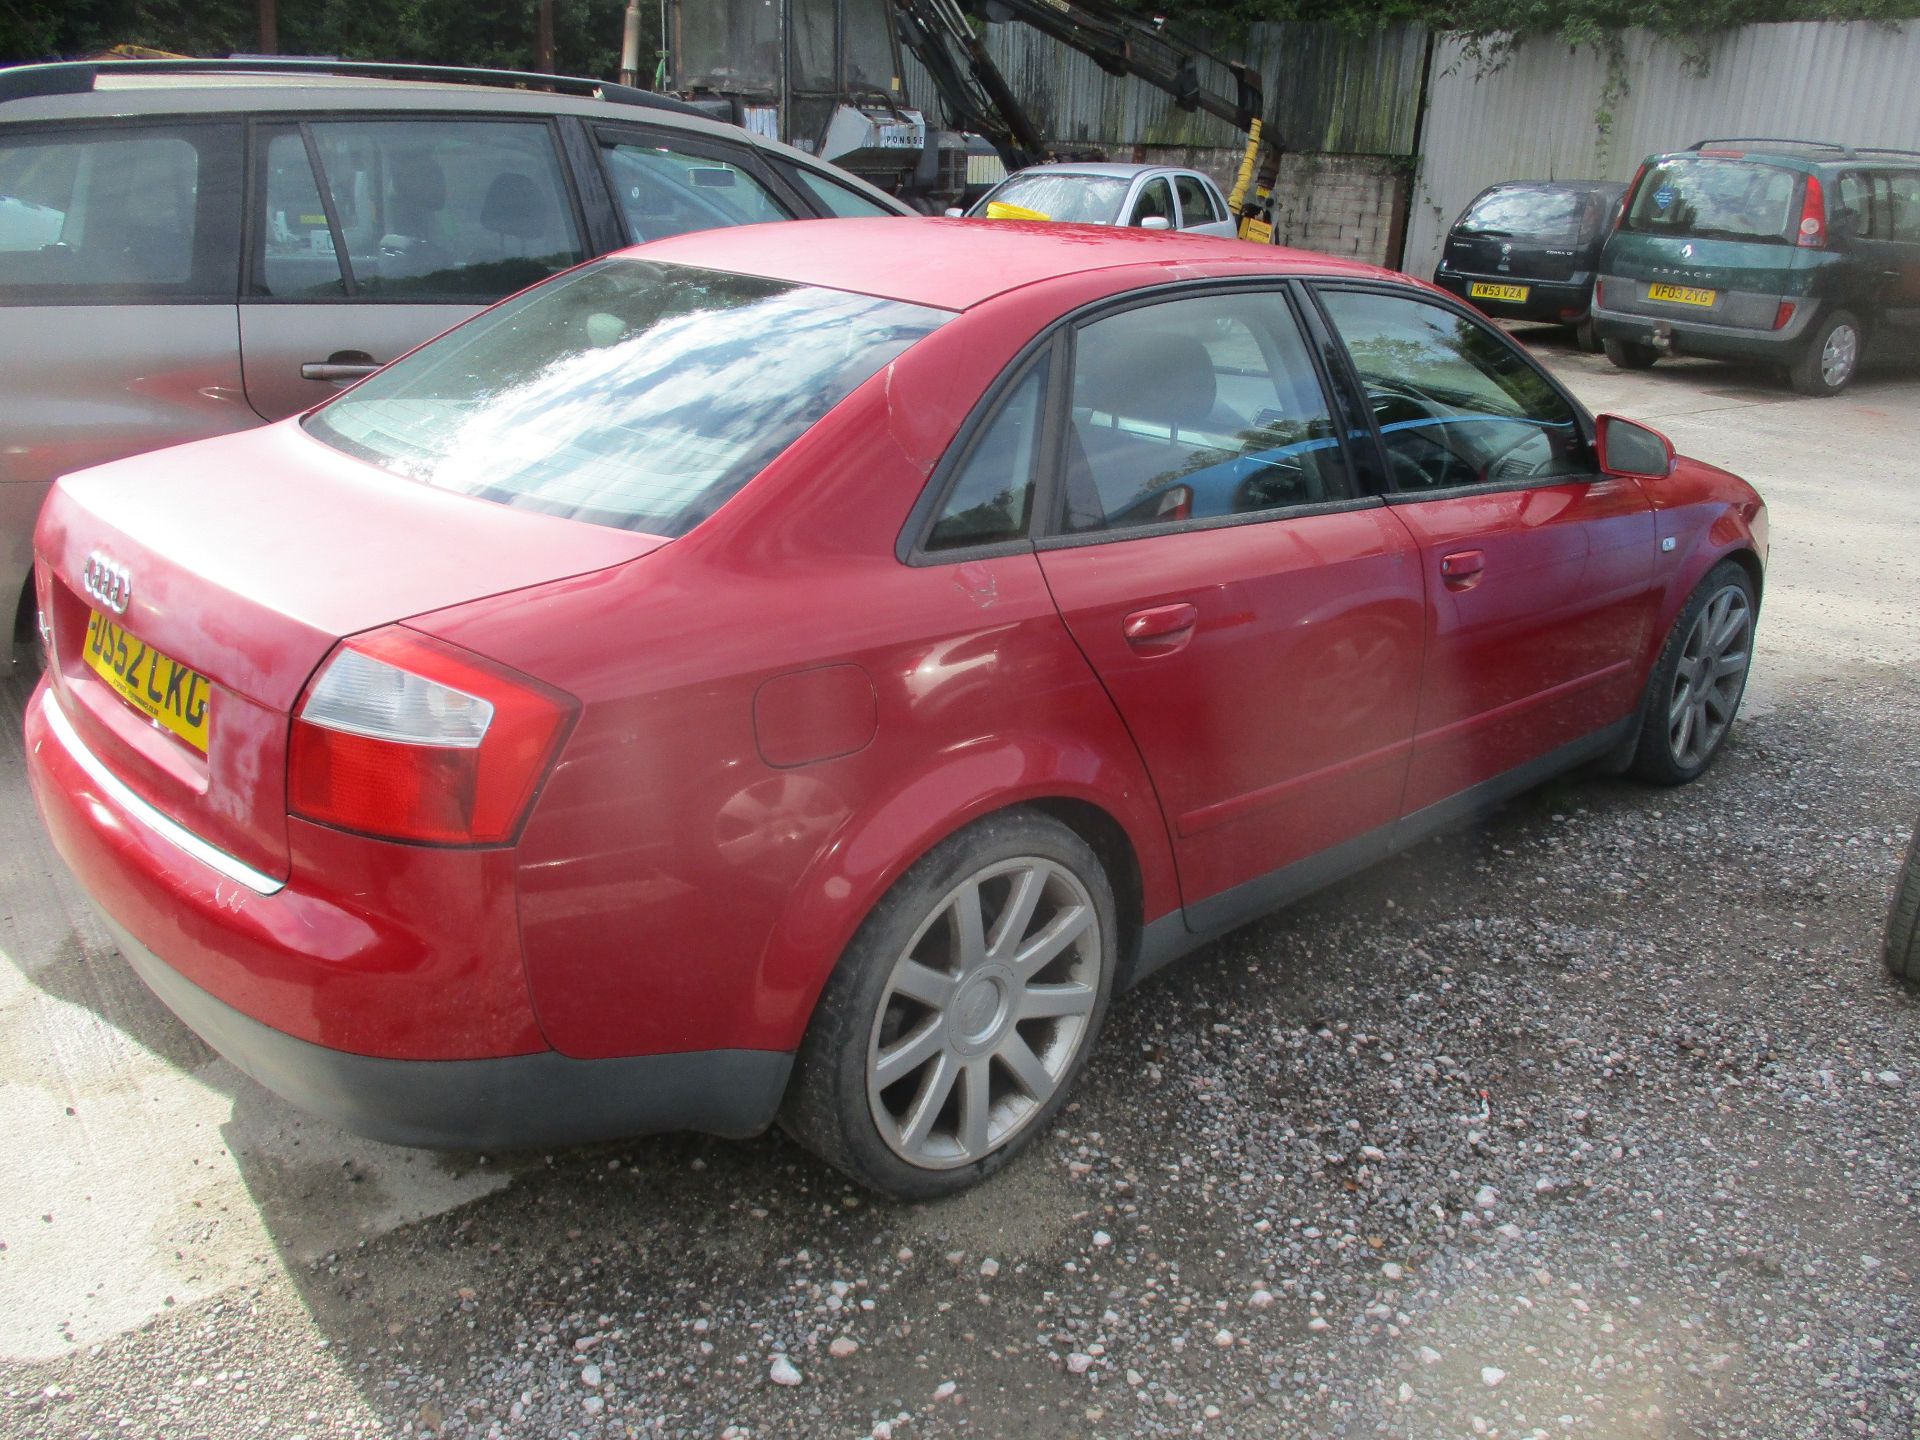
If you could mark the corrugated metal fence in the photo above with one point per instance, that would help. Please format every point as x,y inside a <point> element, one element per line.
<point>1534,117</point>
<point>1327,90</point>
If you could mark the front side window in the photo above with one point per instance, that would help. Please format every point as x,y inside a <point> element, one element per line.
<point>1703,198</point>
<point>665,191</point>
<point>629,394</point>
<point>1193,410</point>
<point>1155,202</point>
<point>1455,405</point>
<point>1196,205</point>
<point>837,199</point>
<point>441,210</point>
<point>992,495</point>
<point>112,211</point>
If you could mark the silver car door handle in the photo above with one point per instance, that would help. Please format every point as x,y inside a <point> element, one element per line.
<point>329,370</point>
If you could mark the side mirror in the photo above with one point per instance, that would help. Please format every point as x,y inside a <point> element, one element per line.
<point>954,212</point>
<point>1630,449</point>
<point>1156,222</point>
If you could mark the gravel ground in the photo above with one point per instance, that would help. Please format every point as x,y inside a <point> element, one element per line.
<point>1596,1119</point>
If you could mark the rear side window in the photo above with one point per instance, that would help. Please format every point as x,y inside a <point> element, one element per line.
<point>1703,198</point>
<point>665,191</point>
<point>992,496</point>
<point>427,210</point>
<point>1904,192</point>
<point>112,215</point>
<point>629,393</point>
<point>1196,409</point>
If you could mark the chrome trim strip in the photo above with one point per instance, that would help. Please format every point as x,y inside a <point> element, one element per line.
<point>161,825</point>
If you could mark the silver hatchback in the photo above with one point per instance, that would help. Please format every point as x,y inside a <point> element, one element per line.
<point>188,248</point>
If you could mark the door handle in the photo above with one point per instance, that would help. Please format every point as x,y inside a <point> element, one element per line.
<point>341,365</point>
<point>1161,629</point>
<point>1463,568</point>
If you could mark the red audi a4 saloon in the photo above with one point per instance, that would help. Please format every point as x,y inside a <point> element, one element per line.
<point>803,672</point>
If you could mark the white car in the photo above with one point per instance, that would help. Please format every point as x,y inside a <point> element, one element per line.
<point>1153,197</point>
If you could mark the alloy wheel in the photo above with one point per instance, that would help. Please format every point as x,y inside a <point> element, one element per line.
<point>1709,678</point>
<point>984,1012</point>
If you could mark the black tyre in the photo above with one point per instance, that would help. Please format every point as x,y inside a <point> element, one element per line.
<point>1830,359</point>
<point>1698,680</point>
<point>1903,920</point>
<point>1586,338</point>
<point>1630,354</point>
<point>961,1015</point>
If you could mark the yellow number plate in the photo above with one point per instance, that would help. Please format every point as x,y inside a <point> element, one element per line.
<point>1681,294</point>
<point>1482,290</point>
<point>156,685</point>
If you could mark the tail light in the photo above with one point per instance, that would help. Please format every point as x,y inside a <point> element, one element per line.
<point>1600,292</point>
<point>1783,315</point>
<point>406,738</point>
<point>1626,195</point>
<point>1813,217</point>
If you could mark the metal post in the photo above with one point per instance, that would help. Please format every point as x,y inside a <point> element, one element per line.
<point>630,45</point>
<point>543,36</point>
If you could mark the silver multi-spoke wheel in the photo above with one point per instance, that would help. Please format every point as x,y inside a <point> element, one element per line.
<point>1709,678</point>
<point>984,1012</point>
<point>1839,355</point>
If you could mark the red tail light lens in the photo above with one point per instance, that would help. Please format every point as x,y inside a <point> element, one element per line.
<point>1626,195</point>
<point>1783,315</point>
<point>1600,292</point>
<point>1813,217</point>
<point>406,738</point>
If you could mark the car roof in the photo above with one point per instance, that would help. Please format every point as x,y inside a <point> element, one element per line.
<point>1584,186</point>
<point>957,264</point>
<point>136,90</point>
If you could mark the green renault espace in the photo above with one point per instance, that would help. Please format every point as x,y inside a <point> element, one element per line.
<point>1797,252</point>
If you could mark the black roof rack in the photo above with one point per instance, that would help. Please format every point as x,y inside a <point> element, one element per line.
<point>1770,140</point>
<point>1845,152</point>
<point>21,82</point>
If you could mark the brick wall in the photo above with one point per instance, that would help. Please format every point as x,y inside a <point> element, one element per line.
<point>1348,205</point>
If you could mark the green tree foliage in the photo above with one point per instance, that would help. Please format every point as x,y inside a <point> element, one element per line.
<point>441,32</point>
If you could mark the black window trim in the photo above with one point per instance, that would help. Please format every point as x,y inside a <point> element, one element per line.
<point>1043,516</point>
<point>254,246</point>
<point>1392,494</point>
<point>214,250</point>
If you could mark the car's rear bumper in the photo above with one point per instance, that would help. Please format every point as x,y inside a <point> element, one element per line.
<point>1553,302</point>
<point>1739,326</point>
<point>390,1021</point>
<point>504,1103</point>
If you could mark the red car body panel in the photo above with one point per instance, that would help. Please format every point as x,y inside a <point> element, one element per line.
<point>777,716</point>
<point>1297,632</point>
<point>1536,644</point>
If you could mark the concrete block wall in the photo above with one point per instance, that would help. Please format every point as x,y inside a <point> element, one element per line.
<point>1353,206</point>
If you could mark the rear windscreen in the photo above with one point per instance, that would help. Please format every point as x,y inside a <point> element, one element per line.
<point>627,392</point>
<point>1702,198</point>
<point>1534,213</point>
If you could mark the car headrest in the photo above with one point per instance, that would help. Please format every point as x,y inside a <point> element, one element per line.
<point>1162,376</point>
<point>513,207</point>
